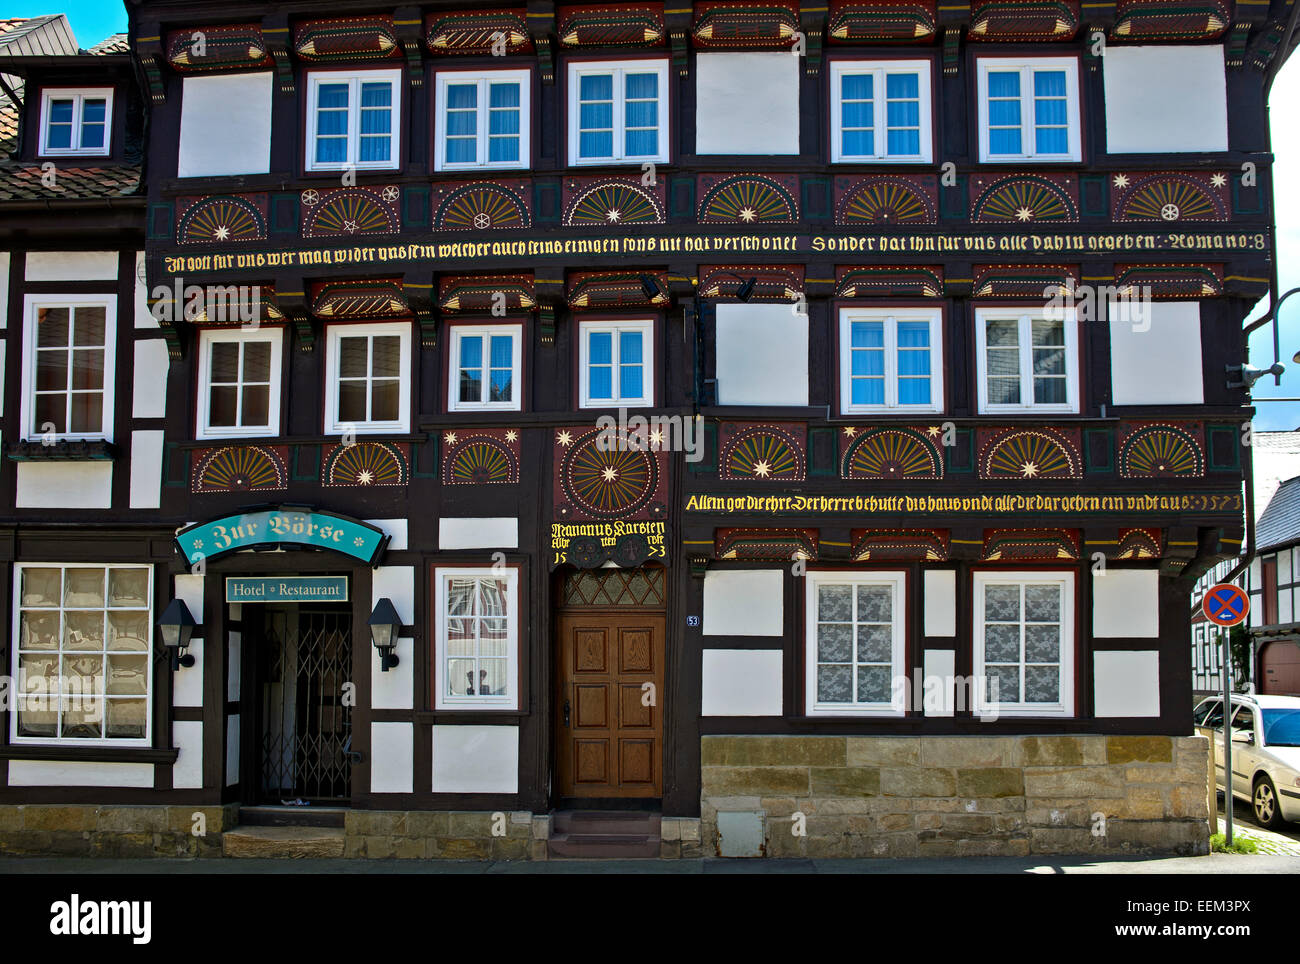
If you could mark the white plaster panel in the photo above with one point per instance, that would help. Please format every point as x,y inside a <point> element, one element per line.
<point>742,682</point>
<point>396,529</point>
<point>64,485</point>
<point>218,113</point>
<point>392,757</point>
<point>398,584</point>
<point>476,759</point>
<point>1284,605</point>
<point>938,685</point>
<point>728,89</point>
<point>48,773</point>
<point>940,602</point>
<point>466,533</point>
<point>5,259</point>
<point>232,749</point>
<point>1165,100</point>
<point>1126,602</point>
<point>762,355</point>
<point>187,771</point>
<point>149,379</point>
<point>72,265</point>
<point>189,590</point>
<point>1155,353</point>
<point>1126,683</point>
<point>394,689</point>
<point>744,602</point>
<point>187,682</point>
<point>146,469</point>
<point>143,316</point>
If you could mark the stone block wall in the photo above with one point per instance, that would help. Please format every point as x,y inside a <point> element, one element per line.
<point>75,830</point>
<point>961,795</point>
<point>455,835</point>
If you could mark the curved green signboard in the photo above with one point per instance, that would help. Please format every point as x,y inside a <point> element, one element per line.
<point>282,528</point>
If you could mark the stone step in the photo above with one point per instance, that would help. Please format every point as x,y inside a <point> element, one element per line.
<point>605,822</point>
<point>269,816</point>
<point>288,842</point>
<point>603,845</point>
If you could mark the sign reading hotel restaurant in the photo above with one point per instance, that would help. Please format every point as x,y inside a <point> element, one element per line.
<point>282,528</point>
<point>266,589</point>
<point>1001,503</point>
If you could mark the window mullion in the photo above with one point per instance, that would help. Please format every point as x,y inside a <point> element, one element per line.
<point>1026,363</point>
<point>619,119</point>
<point>485,113</point>
<point>1028,147</point>
<point>891,362</point>
<point>354,122</point>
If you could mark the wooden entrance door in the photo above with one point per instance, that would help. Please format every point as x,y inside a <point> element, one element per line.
<point>609,724</point>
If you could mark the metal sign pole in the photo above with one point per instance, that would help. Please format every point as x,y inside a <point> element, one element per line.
<point>1227,741</point>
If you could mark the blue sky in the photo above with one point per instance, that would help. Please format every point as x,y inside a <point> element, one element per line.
<point>93,20</point>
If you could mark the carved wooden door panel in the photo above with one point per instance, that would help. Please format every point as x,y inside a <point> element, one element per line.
<point>609,722</point>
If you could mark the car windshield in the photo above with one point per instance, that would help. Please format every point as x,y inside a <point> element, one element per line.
<point>1282,727</point>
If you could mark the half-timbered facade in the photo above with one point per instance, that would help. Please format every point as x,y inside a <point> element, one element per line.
<point>798,426</point>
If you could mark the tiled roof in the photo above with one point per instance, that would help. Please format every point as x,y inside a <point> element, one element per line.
<point>22,182</point>
<point>35,36</point>
<point>1280,523</point>
<point>116,44</point>
<point>9,119</point>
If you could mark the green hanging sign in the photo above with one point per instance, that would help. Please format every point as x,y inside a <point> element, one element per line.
<point>282,528</point>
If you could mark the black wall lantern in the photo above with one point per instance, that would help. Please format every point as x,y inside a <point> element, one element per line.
<point>177,626</point>
<point>385,625</point>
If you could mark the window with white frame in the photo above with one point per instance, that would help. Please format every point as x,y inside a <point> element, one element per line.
<point>68,350</point>
<point>618,112</point>
<point>1027,361</point>
<point>76,122</point>
<point>485,368</point>
<point>368,378</point>
<point>880,111</point>
<point>1024,643</point>
<point>482,120</point>
<point>854,644</point>
<point>83,653</point>
<point>239,382</point>
<point>1029,109</point>
<point>353,120</point>
<point>476,638</point>
<point>615,363</point>
<point>891,359</point>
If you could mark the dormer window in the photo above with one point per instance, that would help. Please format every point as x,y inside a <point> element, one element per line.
<point>76,121</point>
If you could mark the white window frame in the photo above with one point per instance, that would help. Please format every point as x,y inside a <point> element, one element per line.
<point>879,69</point>
<point>18,608</point>
<point>444,701</point>
<point>354,79</point>
<point>1065,706</point>
<point>1026,67</point>
<point>31,303</point>
<point>896,580</point>
<point>516,333</point>
<point>482,110</point>
<point>78,96</point>
<point>646,327</point>
<point>209,337</point>
<point>333,333</point>
<point>618,68</point>
<point>891,317</point>
<point>1025,315</point>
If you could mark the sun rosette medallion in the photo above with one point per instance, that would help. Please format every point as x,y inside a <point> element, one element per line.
<point>763,452</point>
<point>480,456</point>
<point>610,496</point>
<point>892,453</point>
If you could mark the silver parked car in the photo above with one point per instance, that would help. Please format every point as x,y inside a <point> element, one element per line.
<point>1265,752</point>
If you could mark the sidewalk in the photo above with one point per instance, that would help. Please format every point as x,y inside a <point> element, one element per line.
<point>1213,864</point>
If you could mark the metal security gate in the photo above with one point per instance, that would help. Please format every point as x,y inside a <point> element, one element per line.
<point>304,657</point>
